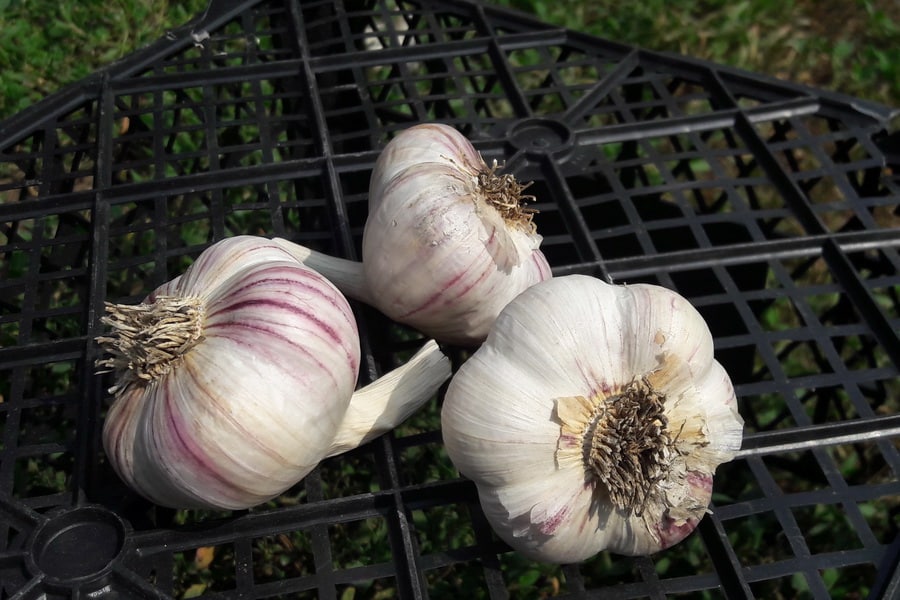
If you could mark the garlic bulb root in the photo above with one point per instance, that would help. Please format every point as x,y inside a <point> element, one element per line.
<point>631,462</point>
<point>148,339</point>
<point>505,194</point>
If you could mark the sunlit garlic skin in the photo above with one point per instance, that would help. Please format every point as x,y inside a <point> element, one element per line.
<point>448,241</point>
<point>273,348</point>
<point>235,379</point>
<point>592,418</point>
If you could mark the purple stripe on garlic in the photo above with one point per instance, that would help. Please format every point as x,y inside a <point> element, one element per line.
<point>237,378</point>
<point>448,241</point>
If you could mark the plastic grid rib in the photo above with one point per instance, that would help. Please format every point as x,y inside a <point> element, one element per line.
<point>766,204</point>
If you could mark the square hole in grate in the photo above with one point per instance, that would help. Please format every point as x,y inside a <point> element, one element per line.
<point>776,312</point>
<point>607,570</point>
<point>830,403</point>
<point>448,582</point>
<point>699,283</point>
<point>359,543</point>
<point>53,377</point>
<point>767,411</point>
<point>350,474</point>
<point>880,515</point>
<point>527,579</point>
<point>43,474</point>
<point>49,423</point>
<point>875,464</point>
<point>426,461</point>
<point>758,539</point>
<point>206,569</point>
<point>442,528</point>
<point>852,582</point>
<point>796,472</point>
<point>799,357</point>
<point>381,588</point>
<point>286,555</point>
<point>791,586</point>
<point>734,483</point>
<point>826,528</point>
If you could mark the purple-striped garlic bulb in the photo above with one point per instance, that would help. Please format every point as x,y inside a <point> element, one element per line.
<point>237,378</point>
<point>593,417</point>
<point>448,241</point>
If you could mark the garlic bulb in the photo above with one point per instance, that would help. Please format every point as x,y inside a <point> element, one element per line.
<point>447,242</point>
<point>593,417</point>
<point>236,379</point>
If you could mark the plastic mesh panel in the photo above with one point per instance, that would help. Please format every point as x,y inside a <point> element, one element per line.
<point>768,205</point>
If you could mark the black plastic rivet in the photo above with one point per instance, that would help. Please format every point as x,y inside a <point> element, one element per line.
<point>540,136</point>
<point>76,546</point>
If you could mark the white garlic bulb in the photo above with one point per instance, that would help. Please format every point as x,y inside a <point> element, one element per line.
<point>447,242</point>
<point>593,417</point>
<point>237,378</point>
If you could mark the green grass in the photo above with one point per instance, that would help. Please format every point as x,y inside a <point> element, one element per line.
<point>45,45</point>
<point>848,46</point>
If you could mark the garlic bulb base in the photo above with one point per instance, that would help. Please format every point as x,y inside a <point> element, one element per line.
<point>148,338</point>
<point>625,440</point>
<point>388,401</point>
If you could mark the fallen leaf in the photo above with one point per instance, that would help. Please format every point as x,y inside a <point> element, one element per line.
<point>204,556</point>
<point>195,590</point>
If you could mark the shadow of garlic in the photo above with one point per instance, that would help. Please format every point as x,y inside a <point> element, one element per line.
<point>592,418</point>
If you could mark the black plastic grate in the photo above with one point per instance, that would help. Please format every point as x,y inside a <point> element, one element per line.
<point>770,206</point>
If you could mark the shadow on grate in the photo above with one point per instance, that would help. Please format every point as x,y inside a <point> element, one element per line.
<point>766,204</point>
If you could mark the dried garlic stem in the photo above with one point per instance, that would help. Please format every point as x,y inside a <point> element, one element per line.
<point>346,275</point>
<point>147,339</point>
<point>382,405</point>
<point>504,193</point>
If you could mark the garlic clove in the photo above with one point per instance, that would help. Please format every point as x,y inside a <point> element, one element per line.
<point>388,401</point>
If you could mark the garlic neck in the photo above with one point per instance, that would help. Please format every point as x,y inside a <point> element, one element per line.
<point>146,340</point>
<point>627,446</point>
<point>504,193</point>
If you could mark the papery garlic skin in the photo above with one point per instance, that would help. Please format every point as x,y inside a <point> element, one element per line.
<point>519,415</point>
<point>438,254</point>
<point>254,405</point>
